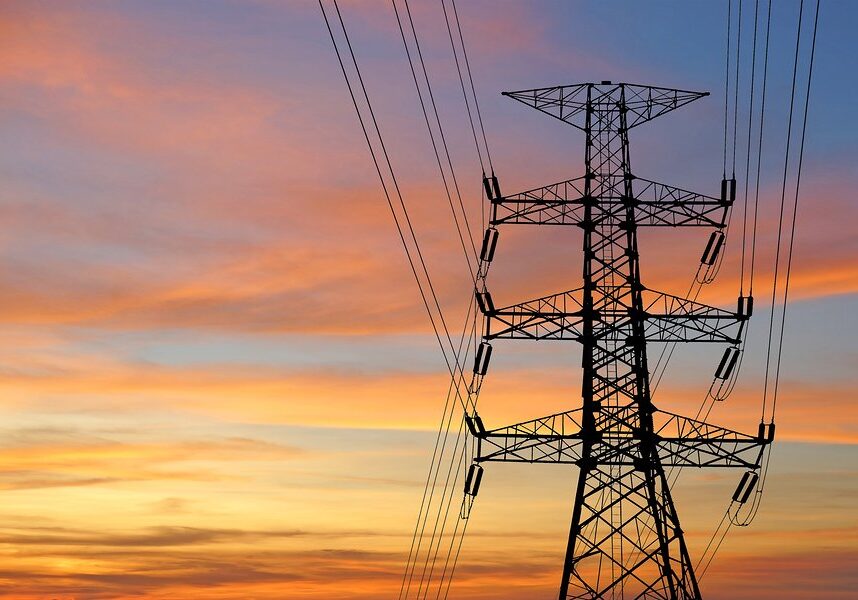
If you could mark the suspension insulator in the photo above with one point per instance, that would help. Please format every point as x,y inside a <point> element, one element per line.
<point>728,191</point>
<point>496,187</point>
<point>746,306</point>
<point>487,185</point>
<point>484,301</point>
<point>728,362</point>
<point>745,487</point>
<point>713,248</point>
<point>472,481</point>
<point>475,425</point>
<point>481,360</point>
<point>490,242</point>
<point>766,432</point>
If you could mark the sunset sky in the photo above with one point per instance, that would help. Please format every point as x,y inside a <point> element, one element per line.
<point>218,381</point>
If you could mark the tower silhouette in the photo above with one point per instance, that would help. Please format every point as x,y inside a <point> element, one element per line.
<point>625,539</point>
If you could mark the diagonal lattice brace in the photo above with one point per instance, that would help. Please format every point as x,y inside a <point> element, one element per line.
<point>673,319</point>
<point>667,318</point>
<point>656,204</point>
<point>555,204</point>
<point>558,316</point>
<point>555,438</point>
<point>688,442</point>
<point>659,204</point>
<point>569,103</point>
<point>679,441</point>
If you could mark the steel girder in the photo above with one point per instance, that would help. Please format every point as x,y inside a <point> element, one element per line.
<point>569,103</point>
<point>655,204</point>
<point>680,441</point>
<point>561,317</point>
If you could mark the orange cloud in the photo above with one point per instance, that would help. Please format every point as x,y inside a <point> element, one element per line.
<point>240,242</point>
<point>162,186</point>
<point>44,465</point>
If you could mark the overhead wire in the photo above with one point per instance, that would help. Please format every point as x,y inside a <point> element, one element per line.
<point>465,95</point>
<point>444,144</point>
<point>760,151</point>
<point>708,277</point>
<point>795,211</point>
<point>736,86</point>
<point>473,89</point>
<point>462,85</point>
<point>734,506</point>
<point>395,184</point>
<point>727,82</point>
<point>778,243</point>
<point>720,391</point>
<point>423,515</point>
<point>748,153</point>
<point>707,273</point>
<point>413,263</point>
<point>779,352</point>
<point>735,518</point>
<point>444,507</point>
<point>441,506</point>
<point>449,568</point>
<point>456,372</point>
<point>414,556</point>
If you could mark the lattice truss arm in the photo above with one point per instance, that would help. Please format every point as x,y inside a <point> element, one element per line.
<point>667,319</point>
<point>656,204</point>
<point>569,102</point>
<point>680,442</point>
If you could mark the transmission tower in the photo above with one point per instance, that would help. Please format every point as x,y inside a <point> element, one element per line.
<point>625,539</point>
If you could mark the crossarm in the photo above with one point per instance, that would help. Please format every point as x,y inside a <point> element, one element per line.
<point>555,438</point>
<point>666,319</point>
<point>557,317</point>
<point>674,319</point>
<point>568,103</point>
<point>656,204</point>
<point>680,442</point>
<point>688,442</point>
<point>556,204</point>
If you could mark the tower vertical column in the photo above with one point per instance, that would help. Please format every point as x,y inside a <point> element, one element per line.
<point>623,525</point>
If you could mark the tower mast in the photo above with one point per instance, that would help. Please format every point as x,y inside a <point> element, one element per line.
<point>625,539</point>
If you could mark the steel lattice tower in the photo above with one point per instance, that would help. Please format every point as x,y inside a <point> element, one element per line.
<point>625,539</point>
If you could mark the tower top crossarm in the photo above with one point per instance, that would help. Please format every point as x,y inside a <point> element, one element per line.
<point>568,103</point>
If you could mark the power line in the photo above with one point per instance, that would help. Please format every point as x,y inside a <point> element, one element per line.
<point>736,87</point>
<point>727,82</point>
<point>611,359</point>
<point>473,89</point>
<point>782,204</point>
<point>748,153</point>
<point>462,84</point>
<point>760,151</point>
<point>444,507</point>
<point>468,257</point>
<point>795,210</point>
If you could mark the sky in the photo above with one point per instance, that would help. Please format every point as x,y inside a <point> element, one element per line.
<point>218,380</point>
